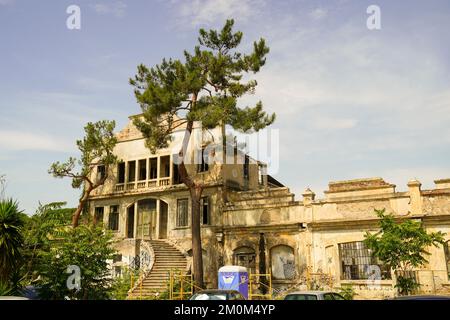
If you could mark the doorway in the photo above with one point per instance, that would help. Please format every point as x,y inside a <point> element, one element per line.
<point>130,221</point>
<point>163,216</point>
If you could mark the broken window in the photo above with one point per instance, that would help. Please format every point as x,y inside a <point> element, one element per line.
<point>131,171</point>
<point>203,161</point>
<point>205,207</point>
<point>245,257</point>
<point>182,212</point>
<point>121,172</point>
<point>113,220</point>
<point>358,263</point>
<point>142,169</point>
<point>98,215</point>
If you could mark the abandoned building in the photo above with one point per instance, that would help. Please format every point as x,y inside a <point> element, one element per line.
<point>250,219</point>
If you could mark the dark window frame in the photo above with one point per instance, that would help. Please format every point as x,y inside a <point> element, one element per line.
<point>121,172</point>
<point>206,216</point>
<point>355,258</point>
<point>182,219</point>
<point>99,214</point>
<point>113,218</point>
<point>203,166</point>
<point>447,257</point>
<point>142,170</point>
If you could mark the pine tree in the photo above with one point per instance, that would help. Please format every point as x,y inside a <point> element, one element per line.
<point>204,87</point>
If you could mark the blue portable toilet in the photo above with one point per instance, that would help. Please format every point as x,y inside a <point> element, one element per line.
<point>234,278</point>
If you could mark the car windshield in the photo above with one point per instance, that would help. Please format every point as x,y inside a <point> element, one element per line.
<point>209,296</point>
<point>301,297</point>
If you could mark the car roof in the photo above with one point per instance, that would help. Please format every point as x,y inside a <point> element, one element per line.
<point>422,297</point>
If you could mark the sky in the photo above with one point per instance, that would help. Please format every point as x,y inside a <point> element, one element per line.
<point>351,102</point>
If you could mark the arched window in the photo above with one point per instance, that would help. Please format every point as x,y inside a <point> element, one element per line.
<point>245,257</point>
<point>282,262</point>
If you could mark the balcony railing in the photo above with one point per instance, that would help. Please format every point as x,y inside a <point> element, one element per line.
<point>142,185</point>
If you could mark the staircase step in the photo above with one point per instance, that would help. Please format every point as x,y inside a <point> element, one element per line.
<point>167,258</point>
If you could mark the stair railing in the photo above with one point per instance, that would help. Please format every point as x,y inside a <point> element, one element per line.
<point>146,263</point>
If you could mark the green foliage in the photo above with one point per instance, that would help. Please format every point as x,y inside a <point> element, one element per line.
<point>402,246</point>
<point>347,292</point>
<point>96,149</point>
<point>89,248</point>
<point>406,285</point>
<point>11,239</point>
<point>48,223</point>
<point>204,87</point>
<point>121,285</point>
<point>5,289</point>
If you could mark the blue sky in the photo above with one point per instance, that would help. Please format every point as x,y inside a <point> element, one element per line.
<point>351,102</point>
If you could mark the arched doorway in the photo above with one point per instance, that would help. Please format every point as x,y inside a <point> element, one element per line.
<point>146,219</point>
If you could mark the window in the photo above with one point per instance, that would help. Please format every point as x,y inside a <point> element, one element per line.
<point>164,166</point>
<point>203,161</point>
<point>142,169</point>
<point>98,215</point>
<point>447,256</point>
<point>245,257</point>
<point>176,174</point>
<point>113,221</point>
<point>337,296</point>
<point>204,207</point>
<point>301,297</point>
<point>121,172</point>
<point>117,258</point>
<point>131,171</point>
<point>153,168</point>
<point>328,296</point>
<point>357,262</point>
<point>246,168</point>
<point>182,212</point>
<point>283,262</point>
<point>101,172</point>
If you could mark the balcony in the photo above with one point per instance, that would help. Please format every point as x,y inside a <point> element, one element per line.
<point>144,174</point>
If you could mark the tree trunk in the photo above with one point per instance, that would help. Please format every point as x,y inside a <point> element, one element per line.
<point>195,191</point>
<point>197,256</point>
<point>81,204</point>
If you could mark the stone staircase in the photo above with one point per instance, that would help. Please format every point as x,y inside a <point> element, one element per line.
<point>167,258</point>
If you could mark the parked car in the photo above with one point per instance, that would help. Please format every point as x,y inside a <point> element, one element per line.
<point>421,297</point>
<point>313,295</point>
<point>217,295</point>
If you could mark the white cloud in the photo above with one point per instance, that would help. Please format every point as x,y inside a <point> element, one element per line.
<point>21,141</point>
<point>116,8</point>
<point>334,123</point>
<point>207,12</point>
<point>318,13</point>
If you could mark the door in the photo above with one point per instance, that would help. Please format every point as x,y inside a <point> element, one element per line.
<point>130,222</point>
<point>163,215</point>
<point>146,219</point>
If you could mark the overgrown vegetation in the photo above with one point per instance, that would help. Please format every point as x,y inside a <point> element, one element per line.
<point>403,247</point>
